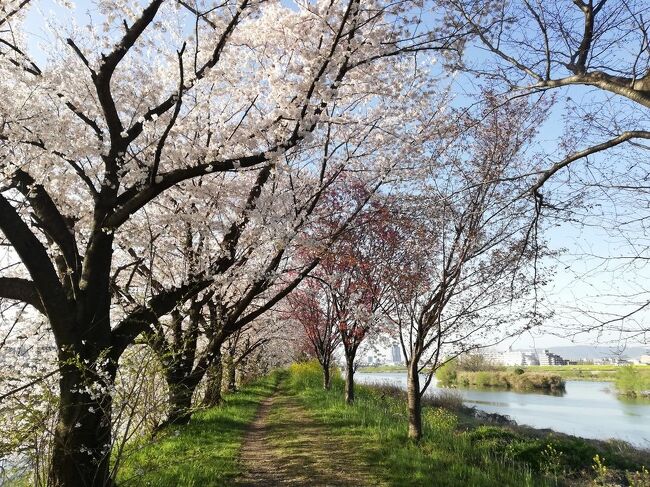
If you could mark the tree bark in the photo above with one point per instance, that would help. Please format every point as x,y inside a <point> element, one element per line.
<point>180,403</point>
<point>349,379</point>
<point>414,402</point>
<point>232,378</point>
<point>327,381</point>
<point>213,384</point>
<point>82,439</point>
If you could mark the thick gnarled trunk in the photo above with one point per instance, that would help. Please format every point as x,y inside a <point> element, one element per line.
<point>180,403</point>
<point>82,439</point>
<point>414,402</point>
<point>181,383</point>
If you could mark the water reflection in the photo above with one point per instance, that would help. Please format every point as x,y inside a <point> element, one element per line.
<point>587,409</point>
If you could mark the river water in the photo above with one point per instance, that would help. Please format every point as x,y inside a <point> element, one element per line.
<point>586,409</point>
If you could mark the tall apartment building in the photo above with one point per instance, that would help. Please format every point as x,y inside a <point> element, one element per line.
<point>510,357</point>
<point>396,353</point>
<point>548,358</point>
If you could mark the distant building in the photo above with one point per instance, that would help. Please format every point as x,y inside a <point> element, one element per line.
<point>548,358</point>
<point>612,361</point>
<point>510,357</point>
<point>396,353</point>
<point>645,359</point>
<point>521,358</point>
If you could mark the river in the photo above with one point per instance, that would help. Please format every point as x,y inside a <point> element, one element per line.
<point>586,409</point>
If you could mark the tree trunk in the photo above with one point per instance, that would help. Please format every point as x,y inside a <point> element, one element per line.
<point>82,439</point>
<point>349,380</point>
<point>180,404</point>
<point>327,381</point>
<point>232,378</point>
<point>214,380</point>
<point>414,401</point>
<point>181,389</point>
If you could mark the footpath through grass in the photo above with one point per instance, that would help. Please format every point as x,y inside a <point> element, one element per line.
<point>457,450</point>
<point>287,445</point>
<point>309,437</point>
<point>203,453</point>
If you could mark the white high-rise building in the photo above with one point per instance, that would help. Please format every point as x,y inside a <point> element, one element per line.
<point>396,353</point>
<point>510,357</point>
<point>548,358</point>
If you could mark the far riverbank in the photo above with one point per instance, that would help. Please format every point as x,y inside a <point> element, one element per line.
<point>600,373</point>
<point>586,408</point>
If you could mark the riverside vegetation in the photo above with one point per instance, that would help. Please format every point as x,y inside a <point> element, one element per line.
<point>630,380</point>
<point>478,373</point>
<point>633,381</point>
<point>457,448</point>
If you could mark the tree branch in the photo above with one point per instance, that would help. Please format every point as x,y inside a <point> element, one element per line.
<point>22,290</point>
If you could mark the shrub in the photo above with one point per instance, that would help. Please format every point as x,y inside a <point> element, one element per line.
<point>483,379</point>
<point>446,374</point>
<point>445,399</point>
<point>551,461</point>
<point>477,363</point>
<point>639,479</point>
<point>630,382</point>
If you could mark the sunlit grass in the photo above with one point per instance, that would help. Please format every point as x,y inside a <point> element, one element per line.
<point>204,452</point>
<point>456,450</point>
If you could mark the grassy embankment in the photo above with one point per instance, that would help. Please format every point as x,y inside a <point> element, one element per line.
<point>203,453</point>
<point>457,449</point>
<point>382,368</point>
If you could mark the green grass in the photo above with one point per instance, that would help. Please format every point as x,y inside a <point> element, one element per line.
<point>518,379</point>
<point>383,368</point>
<point>528,381</point>
<point>633,381</point>
<point>202,453</point>
<point>456,450</point>
<point>589,372</point>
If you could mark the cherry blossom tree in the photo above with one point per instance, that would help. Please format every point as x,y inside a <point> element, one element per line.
<point>242,346</point>
<point>312,307</point>
<point>468,265</point>
<point>264,268</point>
<point>353,276</point>
<point>119,117</point>
<point>136,104</point>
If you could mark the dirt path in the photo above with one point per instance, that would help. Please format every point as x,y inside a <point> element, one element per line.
<point>286,447</point>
